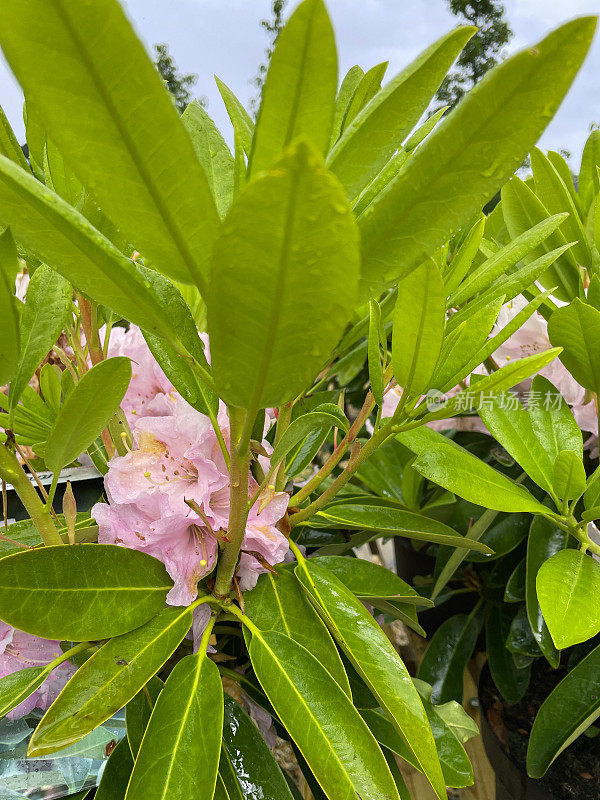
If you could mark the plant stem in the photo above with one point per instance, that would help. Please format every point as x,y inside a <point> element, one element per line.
<point>12,472</point>
<point>89,318</point>
<point>238,501</point>
<point>283,423</point>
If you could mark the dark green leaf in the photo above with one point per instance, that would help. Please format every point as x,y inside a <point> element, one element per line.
<point>447,656</point>
<point>116,774</point>
<point>511,682</point>
<point>138,711</point>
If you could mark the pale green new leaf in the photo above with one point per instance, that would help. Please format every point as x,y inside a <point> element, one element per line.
<point>122,138</point>
<point>367,88</point>
<point>287,262</point>
<point>87,411</point>
<point>179,755</point>
<point>374,352</point>
<point>378,130</point>
<point>469,156</point>
<point>576,328</point>
<point>567,585</point>
<point>344,96</point>
<point>418,330</point>
<point>329,732</point>
<point>463,260</point>
<point>240,119</point>
<point>298,98</point>
<point>9,146</point>
<point>589,180</point>
<point>109,679</point>
<point>47,308</point>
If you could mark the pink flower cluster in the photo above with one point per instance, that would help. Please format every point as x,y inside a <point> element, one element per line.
<point>19,650</point>
<point>169,496</point>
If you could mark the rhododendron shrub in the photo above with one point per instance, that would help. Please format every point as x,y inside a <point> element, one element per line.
<point>354,297</point>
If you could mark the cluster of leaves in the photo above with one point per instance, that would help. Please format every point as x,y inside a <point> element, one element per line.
<point>324,233</point>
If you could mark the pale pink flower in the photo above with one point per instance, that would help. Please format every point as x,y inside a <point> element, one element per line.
<point>19,650</point>
<point>178,459</point>
<point>21,284</point>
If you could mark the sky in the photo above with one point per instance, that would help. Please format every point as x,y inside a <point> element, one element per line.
<point>224,37</point>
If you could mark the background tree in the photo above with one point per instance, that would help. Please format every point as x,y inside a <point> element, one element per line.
<point>178,84</point>
<point>481,53</point>
<point>273,27</point>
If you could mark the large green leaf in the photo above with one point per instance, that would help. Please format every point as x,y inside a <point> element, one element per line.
<point>212,152</point>
<point>109,680</point>
<point>9,317</point>
<point>545,539</point>
<point>468,157</point>
<point>565,714</point>
<point>279,604</point>
<point>257,772</point>
<point>65,240</point>
<point>418,330</point>
<point>393,521</point>
<point>298,98</point>
<point>80,592</point>
<point>576,328</point>
<point>522,210</point>
<point>287,262</point>
<point>552,420</point>
<point>179,755</point>
<point>567,585</point>
<point>569,478</point>
<point>465,475</point>
<point>556,197</point>
<point>47,307</point>
<point>86,412</point>
<point>377,663</point>
<point>123,139</point>
<point>139,710</point>
<point>336,743</point>
<point>510,423</point>
<point>511,682</point>
<point>116,773</point>
<point>378,130</point>
<point>447,656</point>
<point>366,579</point>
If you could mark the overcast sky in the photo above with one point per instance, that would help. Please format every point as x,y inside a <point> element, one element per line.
<point>224,37</point>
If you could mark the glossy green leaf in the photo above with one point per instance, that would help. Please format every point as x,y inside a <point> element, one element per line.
<point>552,420</point>
<point>576,328</point>
<point>240,119</point>
<point>469,156</point>
<point>140,166</point>
<point>505,259</point>
<point>375,344</point>
<point>336,743</point>
<point>376,661</point>
<point>544,541</point>
<point>418,329</point>
<point>510,423</point>
<point>109,680</point>
<point>465,475</point>
<point>87,411</point>
<point>298,98</point>
<point>569,479</point>
<point>279,604</point>
<point>179,754</point>
<point>522,209</point>
<point>318,420</point>
<point>258,774</point>
<point>588,179</point>
<point>453,714</point>
<point>392,521</point>
<point>81,592</point>
<point>18,686</point>
<point>375,133</point>
<point>212,152</point>
<point>567,585</point>
<point>116,773</point>
<point>447,656</point>
<point>64,239</point>
<point>344,97</point>
<point>520,640</point>
<point>511,682</point>
<point>138,711</point>
<point>9,317</point>
<point>556,198</point>
<point>565,714</point>
<point>367,579</point>
<point>515,591</point>
<point>47,307</point>
<point>382,472</point>
<point>288,258</point>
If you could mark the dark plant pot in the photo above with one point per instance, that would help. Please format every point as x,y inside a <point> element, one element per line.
<point>86,482</point>
<point>563,781</point>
